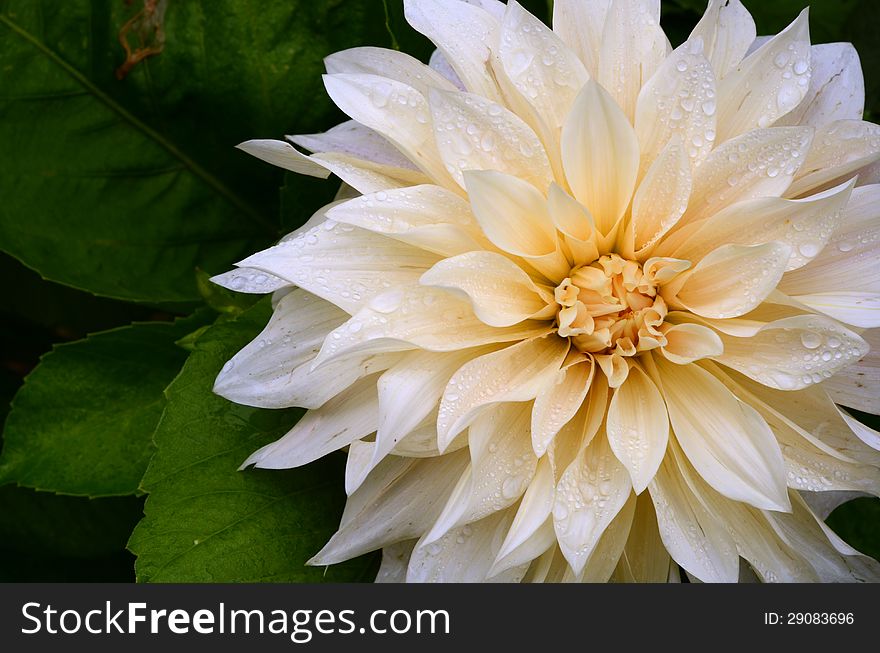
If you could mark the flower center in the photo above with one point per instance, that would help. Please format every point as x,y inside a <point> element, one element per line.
<point>610,306</point>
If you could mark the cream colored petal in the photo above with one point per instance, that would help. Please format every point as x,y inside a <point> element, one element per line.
<point>392,64</point>
<point>396,111</point>
<point>397,502</point>
<point>609,549</point>
<point>418,317</point>
<point>428,217</point>
<point>464,33</point>
<point>662,196</point>
<point>734,279</point>
<point>516,373</point>
<point>856,385</point>
<point>274,370</point>
<point>473,133</point>
<point>638,427</point>
<point>865,433</point>
<point>615,368</point>
<point>540,65</point>
<point>355,140</point>
<point>600,154</point>
<point>794,352</point>
<point>574,220</point>
<point>343,264</point>
<point>366,176</point>
<point>532,526</point>
<point>768,83</point>
<point>283,155</point>
<point>502,466</point>
<point>678,101</point>
<point>686,343</point>
<point>806,225</point>
<point>501,293</point>
<point>464,555</point>
<point>591,492</point>
<point>694,537</point>
<point>773,560</point>
<point>728,442</point>
<point>726,31</point>
<point>838,151</point>
<point>760,163</point>
<point>804,533</point>
<point>579,431</point>
<point>861,309</point>
<point>580,24</point>
<point>250,280</point>
<point>644,558</point>
<point>837,87</point>
<point>849,261</point>
<point>349,416</point>
<point>558,402</point>
<point>511,212</point>
<point>439,63</point>
<point>632,48</point>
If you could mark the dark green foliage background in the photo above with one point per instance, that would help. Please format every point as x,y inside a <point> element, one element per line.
<point>117,200</point>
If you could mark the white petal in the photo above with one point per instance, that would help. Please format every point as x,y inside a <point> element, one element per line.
<point>274,370</point>
<point>726,31</point>
<point>558,401</point>
<point>540,65</point>
<point>532,525</point>
<point>439,63</point>
<point>511,212</point>
<point>392,64</point>
<point>600,154</point>
<point>734,279</point>
<point>464,33</point>
<point>283,155</point>
<point>395,560</point>
<point>592,490</point>
<point>351,415</point>
<point>343,264</point>
<point>694,537</point>
<point>502,466</point>
<point>686,343</point>
<point>856,385</point>
<point>396,111</point>
<point>609,549</point>
<point>429,217</point>
<point>418,317</point>
<point>794,352</point>
<point>768,83</point>
<point>354,139</point>
<point>632,48</point>
<point>580,24</point>
<point>473,133</point>
<point>805,224</point>
<point>861,309</point>
<point>679,100</point>
<point>760,163</point>
<point>727,441</point>
<point>464,555</point>
<point>250,280</point>
<point>366,176</point>
<point>662,196</point>
<point>638,427</point>
<point>516,373</point>
<point>501,293</point>
<point>849,261</point>
<point>837,87</point>
<point>397,502</point>
<point>838,151</point>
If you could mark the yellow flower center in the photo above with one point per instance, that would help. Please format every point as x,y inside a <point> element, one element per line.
<point>611,306</point>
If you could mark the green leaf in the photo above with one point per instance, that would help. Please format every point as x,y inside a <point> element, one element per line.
<point>83,421</point>
<point>124,187</point>
<point>205,521</point>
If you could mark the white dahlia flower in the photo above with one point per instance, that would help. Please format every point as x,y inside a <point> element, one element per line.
<point>593,303</point>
